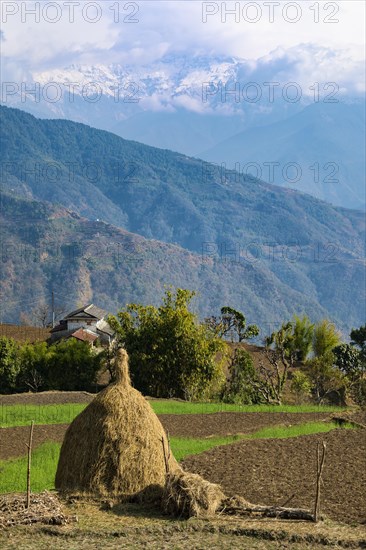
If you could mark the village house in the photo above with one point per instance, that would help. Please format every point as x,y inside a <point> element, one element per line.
<point>87,324</point>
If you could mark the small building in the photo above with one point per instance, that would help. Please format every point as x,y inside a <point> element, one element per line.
<point>87,324</point>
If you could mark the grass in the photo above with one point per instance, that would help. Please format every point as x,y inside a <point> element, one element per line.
<point>45,457</point>
<point>184,407</point>
<point>13,473</point>
<point>21,415</point>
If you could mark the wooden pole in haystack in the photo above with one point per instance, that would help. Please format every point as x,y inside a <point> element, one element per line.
<point>166,453</point>
<point>319,470</point>
<point>29,462</point>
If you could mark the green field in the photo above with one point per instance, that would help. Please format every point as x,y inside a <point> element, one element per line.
<point>45,457</point>
<point>21,415</point>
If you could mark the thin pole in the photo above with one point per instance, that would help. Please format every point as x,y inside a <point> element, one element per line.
<point>320,464</point>
<point>29,462</point>
<point>53,309</point>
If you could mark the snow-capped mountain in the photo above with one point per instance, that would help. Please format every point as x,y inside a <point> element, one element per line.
<point>215,95</point>
<point>210,106</point>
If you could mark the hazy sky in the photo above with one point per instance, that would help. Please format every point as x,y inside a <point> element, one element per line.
<point>318,40</point>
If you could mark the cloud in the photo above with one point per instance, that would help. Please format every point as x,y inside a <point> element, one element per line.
<point>141,32</point>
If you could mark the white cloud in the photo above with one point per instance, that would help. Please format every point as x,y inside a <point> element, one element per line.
<point>304,50</point>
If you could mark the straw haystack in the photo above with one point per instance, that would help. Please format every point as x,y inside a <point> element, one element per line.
<point>187,495</point>
<point>115,446</point>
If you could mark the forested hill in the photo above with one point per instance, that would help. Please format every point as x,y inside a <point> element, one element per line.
<point>301,253</point>
<point>47,248</point>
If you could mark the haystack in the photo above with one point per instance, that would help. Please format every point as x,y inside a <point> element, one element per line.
<point>115,446</point>
<point>187,495</point>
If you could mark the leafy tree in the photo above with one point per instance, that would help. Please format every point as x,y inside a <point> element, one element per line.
<point>325,377</point>
<point>326,337</point>
<point>351,360</point>
<point>171,353</point>
<point>280,355</point>
<point>9,365</point>
<point>300,384</point>
<point>35,360</point>
<point>72,365</point>
<point>231,324</point>
<point>303,331</point>
<point>358,339</point>
<point>240,387</point>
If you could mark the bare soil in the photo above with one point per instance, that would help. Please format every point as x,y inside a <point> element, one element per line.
<point>12,440</point>
<point>47,398</point>
<point>271,471</point>
<point>230,423</point>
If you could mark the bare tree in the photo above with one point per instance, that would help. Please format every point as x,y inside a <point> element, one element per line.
<point>41,315</point>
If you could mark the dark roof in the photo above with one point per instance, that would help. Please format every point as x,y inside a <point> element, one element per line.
<point>59,327</point>
<point>84,335</point>
<point>90,310</point>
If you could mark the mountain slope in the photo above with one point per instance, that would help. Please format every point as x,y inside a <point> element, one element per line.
<point>330,135</point>
<point>286,240</point>
<point>47,248</point>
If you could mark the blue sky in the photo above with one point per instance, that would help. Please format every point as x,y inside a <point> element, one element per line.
<point>306,41</point>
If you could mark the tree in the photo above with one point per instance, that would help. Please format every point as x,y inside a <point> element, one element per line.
<point>41,315</point>
<point>326,337</point>
<point>280,355</point>
<point>231,324</point>
<point>9,365</point>
<point>240,388</point>
<point>303,332</point>
<point>325,377</point>
<point>72,365</point>
<point>351,360</point>
<point>358,339</point>
<point>35,360</point>
<point>171,353</point>
<point>300,385</point>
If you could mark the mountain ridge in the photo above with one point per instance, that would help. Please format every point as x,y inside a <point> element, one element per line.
<point>292,242</point>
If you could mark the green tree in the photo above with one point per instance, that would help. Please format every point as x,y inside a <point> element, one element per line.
<point>351,360</point>
<point>325,377</point>
<point>72,365</point>
<point>300,385</point>
<point>241,386</point>
<point>171,353</point>
<point>326,337</point>
<point>303,332</point>
<point>233,323</point>
<point>9,365</point>
<point>35,362</point>
<point>292,342</point>
<point>358,339</point>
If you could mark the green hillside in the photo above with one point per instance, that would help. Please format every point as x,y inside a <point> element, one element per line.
<point>268,250</point>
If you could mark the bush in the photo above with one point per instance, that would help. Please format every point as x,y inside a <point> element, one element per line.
<point>300,385</point>
<point>72,366</point>
<point>10,365</point>
<point>239,389</point>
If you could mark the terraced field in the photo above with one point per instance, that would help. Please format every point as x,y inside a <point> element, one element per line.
<point>265,456</point>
